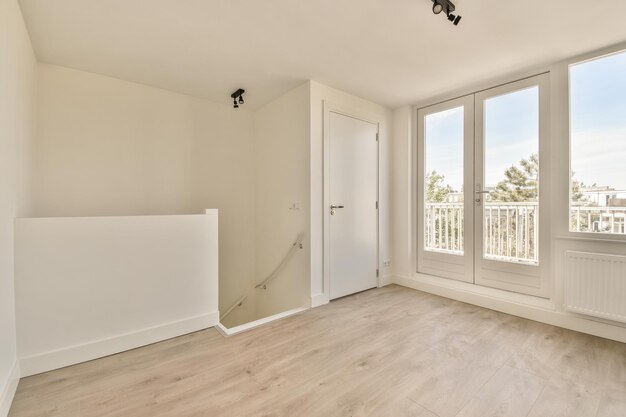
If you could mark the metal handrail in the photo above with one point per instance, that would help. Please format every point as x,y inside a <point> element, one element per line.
<point>236,304</point>
<point>295,245</point>
<point>263,284</point>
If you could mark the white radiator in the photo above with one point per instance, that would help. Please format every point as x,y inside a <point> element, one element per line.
<point>595,285</point>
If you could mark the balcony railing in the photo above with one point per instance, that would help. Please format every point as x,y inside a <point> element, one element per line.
<point>510,230</point>
<point>598,219</point>
<point>444,227</point>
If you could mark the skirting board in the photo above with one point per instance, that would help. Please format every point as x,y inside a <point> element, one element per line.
<point>385,280</point>
<point>10,386</point>
<point>319,300</point>
<point>225,331</point>
<point>72,355</point>
<point>537,311</point>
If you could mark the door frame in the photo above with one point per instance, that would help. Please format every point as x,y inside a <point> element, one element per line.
<point>328,108</point>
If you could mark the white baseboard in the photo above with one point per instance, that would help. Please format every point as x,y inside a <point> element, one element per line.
<point>528,307</point>
<point>226,331</point>
<point>8,390</point>
<point>319,300</point>
<point>72,355</point>
<point>385,280</point>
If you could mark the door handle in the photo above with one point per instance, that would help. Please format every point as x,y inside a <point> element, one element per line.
<point>478,198</point>
<point>333,208</point>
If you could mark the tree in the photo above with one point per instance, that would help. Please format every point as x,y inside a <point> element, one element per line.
<point>436,191</point>
<point>577,194</point>
<point>578,222</point>
<point>520,183</point>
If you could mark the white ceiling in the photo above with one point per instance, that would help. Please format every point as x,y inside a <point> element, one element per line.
<point>393,52</point>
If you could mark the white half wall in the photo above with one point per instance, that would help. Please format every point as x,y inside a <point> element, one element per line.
<point>17,110</point>
<point>94,286</point>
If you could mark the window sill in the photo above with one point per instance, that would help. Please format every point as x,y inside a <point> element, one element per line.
<point>588,237</point>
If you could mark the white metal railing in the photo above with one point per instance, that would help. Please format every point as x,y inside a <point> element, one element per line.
<point>444,227</point>
<point>598,219</point>
<point>510,230</point>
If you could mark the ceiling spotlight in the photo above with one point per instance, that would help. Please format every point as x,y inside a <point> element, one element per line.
<point>437,7</point>
<point>237,95</point>
<point>447,7</point>
<point>454,19</point>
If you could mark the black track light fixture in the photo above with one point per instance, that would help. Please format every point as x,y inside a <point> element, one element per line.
<point>447,7</point>
<point>237,96</point>
<point>454,19</point>
<point>437,7</point>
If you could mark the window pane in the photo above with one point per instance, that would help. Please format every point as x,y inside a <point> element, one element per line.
<point>511,170</point>
<point>443,181</point>
<point>598,145</point>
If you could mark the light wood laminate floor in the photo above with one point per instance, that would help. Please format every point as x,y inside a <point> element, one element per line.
<point>389,352</point>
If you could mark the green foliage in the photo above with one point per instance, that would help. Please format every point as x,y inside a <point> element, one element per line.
<point>578,222</point>
<point>577,194</point>
<point>436,191</point>
<point>520,183</point>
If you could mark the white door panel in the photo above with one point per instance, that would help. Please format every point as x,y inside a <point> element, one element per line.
<point>510,223</point>
<point>446,149</point>
<point>353,187</point>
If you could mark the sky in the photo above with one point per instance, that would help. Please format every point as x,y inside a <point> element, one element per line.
<point>598,128</point>
<point>598,121</point>
<point>511,126</point>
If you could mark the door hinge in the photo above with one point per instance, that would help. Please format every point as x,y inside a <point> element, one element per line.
<point>377,136</point>
<point>377,273</point>
<point>377,205</point>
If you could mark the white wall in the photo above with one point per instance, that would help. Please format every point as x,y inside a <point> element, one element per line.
<point>360,107</point>
<point>17,91</point>
<point>110,147</point>
<point>551,310</point>
<point>88,287</point>
<point>402,219</point>
<point>282,180</point>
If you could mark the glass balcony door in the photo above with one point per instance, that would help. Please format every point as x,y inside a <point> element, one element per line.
<point>445,143</point>
<point>480,161</point>
<point>509,219</point>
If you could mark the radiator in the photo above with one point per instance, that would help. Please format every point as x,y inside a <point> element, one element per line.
<point>595,285</point>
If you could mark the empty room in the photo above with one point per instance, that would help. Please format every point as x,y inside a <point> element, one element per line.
<point>327,208</point>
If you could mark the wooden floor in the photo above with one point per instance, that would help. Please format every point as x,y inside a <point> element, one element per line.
<point>389,352</point>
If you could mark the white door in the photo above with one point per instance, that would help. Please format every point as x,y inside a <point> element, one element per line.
<point>480,161</point>
<point>510,220</point>
<point>351,204</point>
<point>446,146</point>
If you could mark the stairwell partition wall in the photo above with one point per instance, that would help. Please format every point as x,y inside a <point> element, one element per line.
<point>554,197</point>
